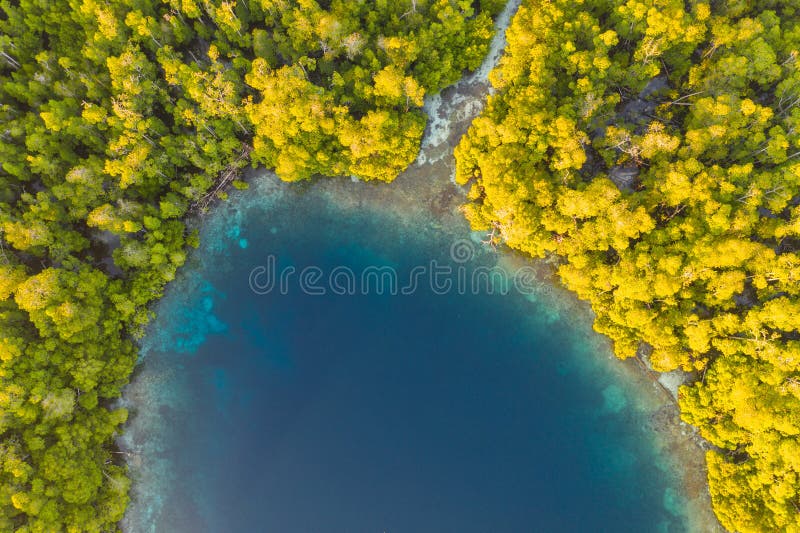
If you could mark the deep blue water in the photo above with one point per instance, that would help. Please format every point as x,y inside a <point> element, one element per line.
<point>378,413</point>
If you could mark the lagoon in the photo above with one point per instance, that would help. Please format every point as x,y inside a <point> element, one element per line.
<point>463,411</point>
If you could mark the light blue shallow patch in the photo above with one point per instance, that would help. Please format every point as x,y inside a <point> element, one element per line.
<point>191,320</point>
<point>674,502</point>
<point>614,399</point>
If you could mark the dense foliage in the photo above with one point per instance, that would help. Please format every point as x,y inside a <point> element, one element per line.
<point>117,117</point>
<point>652,149</point>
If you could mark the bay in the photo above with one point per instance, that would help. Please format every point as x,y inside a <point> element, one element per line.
<point>461,409</point>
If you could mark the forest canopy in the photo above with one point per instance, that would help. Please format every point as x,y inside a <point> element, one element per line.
<point>118,119</point>
<point>648,148</point>
<point>651,150</point>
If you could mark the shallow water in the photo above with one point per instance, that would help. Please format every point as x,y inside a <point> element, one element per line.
<point>444,409</point>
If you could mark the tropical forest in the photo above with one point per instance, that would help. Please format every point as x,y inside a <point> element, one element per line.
<point>646,152</point>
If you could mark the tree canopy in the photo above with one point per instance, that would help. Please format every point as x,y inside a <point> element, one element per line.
<point>651,148</point>
<point>118,118</point>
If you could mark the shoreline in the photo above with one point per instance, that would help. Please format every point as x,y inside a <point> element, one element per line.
<point>427,190</point>
<point>450,114</point>
<point>685,447</point>
<point>679,442</point>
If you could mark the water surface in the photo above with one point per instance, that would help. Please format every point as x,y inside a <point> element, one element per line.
<point>424,412</point>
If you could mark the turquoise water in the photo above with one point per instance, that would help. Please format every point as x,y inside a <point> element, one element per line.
<point>431,410</point>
